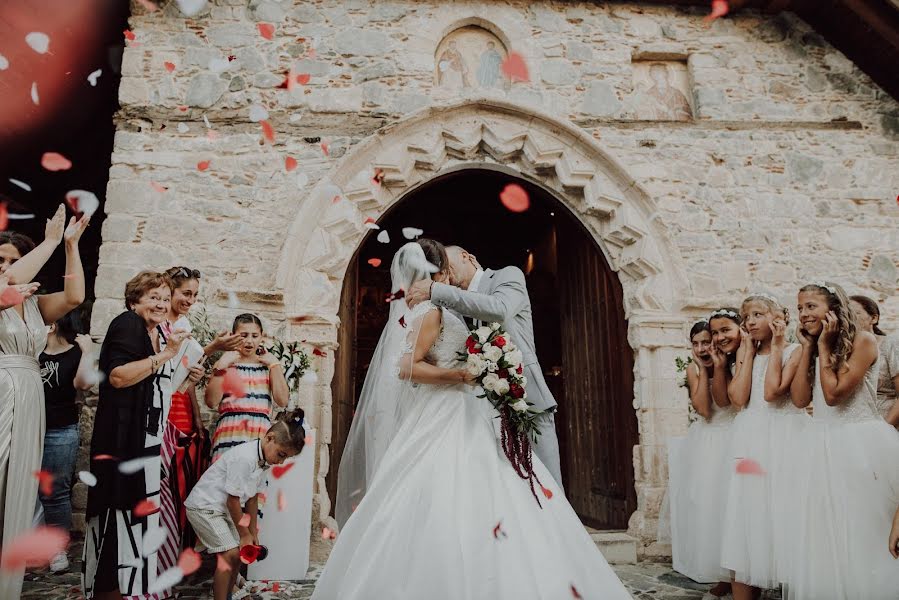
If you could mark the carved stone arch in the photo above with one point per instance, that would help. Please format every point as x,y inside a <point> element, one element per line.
<point>477,22</point>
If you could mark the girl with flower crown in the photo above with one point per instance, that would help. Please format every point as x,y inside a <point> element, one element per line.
<point>763,458</point>
<point>697,470</point>
<point>850,483</point>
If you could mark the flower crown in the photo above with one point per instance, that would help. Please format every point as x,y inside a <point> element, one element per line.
<point>764,295</point>
<point>723,312</point>
<point>823,285</point>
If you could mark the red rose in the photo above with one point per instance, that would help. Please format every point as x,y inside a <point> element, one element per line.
<point>503,373</point>
<point>499,341</point>
<point>516,390</point>
<point>520,369</point>
<point>472,346</point>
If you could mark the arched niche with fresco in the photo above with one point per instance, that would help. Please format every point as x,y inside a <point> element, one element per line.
<point>469,58</point>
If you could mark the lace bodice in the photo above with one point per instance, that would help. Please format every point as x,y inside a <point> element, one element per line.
<point>450,340</point>
<point>757,402</point>
<point>861,405</point>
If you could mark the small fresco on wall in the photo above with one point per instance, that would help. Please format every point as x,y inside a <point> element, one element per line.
<point>470,58</point>
<point>662,91</point>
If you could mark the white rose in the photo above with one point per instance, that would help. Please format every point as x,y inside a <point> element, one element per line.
<point>475,364</point>
<point>490,382</point>
<point>502,386</point>
<point>492,353</point>
<point>494,326</point>
<point>514,358</point>
<point>483,334</point>
<point>520,406</point>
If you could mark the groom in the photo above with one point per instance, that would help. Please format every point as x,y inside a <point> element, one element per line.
<point>498,296</point>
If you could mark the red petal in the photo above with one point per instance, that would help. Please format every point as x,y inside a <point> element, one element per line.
<point>290,163</point>
<point>325,149</point>
<point>515,198</point>
<point>169,66</point>
<point>129,35</point>
<point>185,362</point>
<point>34,548</point>
<point>266,30</point>
<point>268,132</point>
<point>189,561</point>
<point>145,507</point>
<point>303,78</point>
<point>719,9</point>
<point>575,593</point>
<point>54,161</point>
<point>158,187</point>
<point>747,466</point>
<point>104,457</point>
<point>276,587</point>
<point>282,501</point>
<point>318,352</point>
<point>278,471</point>
<point>45,481</point>
<point>547,492</point>
<point>403,321</point>
<point>375,262</point>
<point>514,67</point>
<point>149,6</point>
<point>203,165</point>
<point>4,216</point>
<point>327,534</point>
<point>232,384</point>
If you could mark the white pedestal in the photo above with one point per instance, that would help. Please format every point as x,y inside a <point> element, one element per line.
<point>286,533</point>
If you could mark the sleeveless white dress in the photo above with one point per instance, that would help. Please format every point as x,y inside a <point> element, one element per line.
<point>850,494</point>
<point>754,543</point>
<point>447,518</point>
<point>699,469</point>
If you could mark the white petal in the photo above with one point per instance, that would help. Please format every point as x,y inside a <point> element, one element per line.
<point>190,8</point>
<point>130,467</point>
<point>34,96</point>
<point>19,217</point>
<point>4,63</point>
<point>295,117</point>
<point>371,225</point>
<point>384,237</point>
<point>167,580</point>
<point>38,41</point>
<point>87,478</point>
<point>410,233</point>
<point>258,113</point>
<point>153,540</point>
<point>232,300</point>
<point>21,184</point>
<point>206,121</point>
<point>84,202</point>
<point>92,78</point>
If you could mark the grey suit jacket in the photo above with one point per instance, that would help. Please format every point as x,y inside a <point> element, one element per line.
<point>502,297</point>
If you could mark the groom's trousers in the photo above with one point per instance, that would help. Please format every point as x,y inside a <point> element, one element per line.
<point>547,448</point>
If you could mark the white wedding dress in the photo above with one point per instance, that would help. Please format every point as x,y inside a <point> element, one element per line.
<point>447,518</point>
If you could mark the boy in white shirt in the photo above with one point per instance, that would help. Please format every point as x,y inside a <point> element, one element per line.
<point>216,505</point>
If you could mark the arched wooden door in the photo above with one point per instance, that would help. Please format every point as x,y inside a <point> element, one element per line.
<point>579,326</point>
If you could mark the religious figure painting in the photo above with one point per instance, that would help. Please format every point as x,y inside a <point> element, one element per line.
<point>470,58</point>
<point>662,91</point>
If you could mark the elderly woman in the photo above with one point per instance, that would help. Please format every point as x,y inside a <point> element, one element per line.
<point>120,555</point>
<point>23,336</point>
<point>867,316</point>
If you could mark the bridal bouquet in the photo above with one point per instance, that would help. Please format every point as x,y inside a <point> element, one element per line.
<point>496,364</point>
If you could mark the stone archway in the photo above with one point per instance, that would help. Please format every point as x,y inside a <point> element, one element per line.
<point>555,155</point>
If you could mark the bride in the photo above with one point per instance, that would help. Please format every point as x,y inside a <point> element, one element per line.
<point>444,514</point>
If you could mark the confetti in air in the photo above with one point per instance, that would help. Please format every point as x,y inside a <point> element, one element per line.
<point>82,202</point>
<point>375,262</point>
<point>4,219</point>
<point>145,508</point>
<point>282,501</point>
<point>268,132</point>
<point>290,163</point>
<point>327,534</point>
<point>169,66</point>
<point>158,187</point>
<point>369,223</point>
<point>21,184</point>
<point>189,8</point>
<point>54,161</point>
<point>747,466</point>
<point>397,295</point>
<point>575,594</point>
<point>384,237</point>
<point>515,198</point>
<point>410,233</point>
<point>34,95</point>
<point>45,482</point>
<point>278,471</point>
<point>33,548</point>
<point>129,35</point>
<point>266,30</point>
<point>719,9</point>
<point>547,492</point>
<point>203,165</point>
<point>498,531</point>
<point>232,384</point>
<point>39,42</point>
<point>514,67</point>
<point>94,76</point>
<point>87,478</point>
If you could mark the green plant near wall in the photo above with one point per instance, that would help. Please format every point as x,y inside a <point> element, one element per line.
<point>682,365</point>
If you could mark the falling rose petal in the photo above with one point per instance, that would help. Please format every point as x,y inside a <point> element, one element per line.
<point>4,63</point>
<point>129,35</point>
<point>189,8</point>
<point>130,467</point>
<point>148,6</point>
<point>153,540</point>
<point>21,184</point>
<point>719,9</point>
<point>258,113</point>
<point>183,108</point>
<point>326,148</point>
<point>282,501</point>
<point>169,66</point>
<point>268,132</point>
<point>307,440</point>
<point>397,295</point>
<point>94,76</point>
<point>327,534</point>
<point>369,223</point>
<point>303,78</point>
<point>290,163</point>
<point>514,67</point>
<point>33,548</point>
<point>104,457</point>
<point>244,520</point>
<point>378,177</point>
<point>402,321</point>
<point>166,580</point>
<point>498,531</point>
<point>384,237</point>
<point>54,161</point>
<point>45,482</point>
<point>515,198</point>
<point>747,466</point>
<point>319,352</point>
<point>203,165</point>
<point>278,471</point>
<point>158,187</point>
<point>87,478</point>
<point>375,262</point>
<point>39,42</point>
<point>221,564</point>
<point>410,233</point>
<point>185,362</point>
<point>276,587</point>
<point>4,223</point>
<point>82,202</point>
<point>547,492</point>
<point>19,216</point>
<point>34,96</point>
<point>189,561</point>
<point>232,384</point>
<point>232,300</point>
<point>266,30</point>
<point>144,508</point>
<point>299,319</point>
<point>575,593</point>
<point>206,122</point>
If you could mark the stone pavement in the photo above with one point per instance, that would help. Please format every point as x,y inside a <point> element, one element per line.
<point>645,581</point>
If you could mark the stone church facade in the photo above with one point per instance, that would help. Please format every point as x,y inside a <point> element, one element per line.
<point>705,161</point>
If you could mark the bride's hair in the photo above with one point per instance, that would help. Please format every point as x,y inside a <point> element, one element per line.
<point>413,263</point>
<point>435,252</point>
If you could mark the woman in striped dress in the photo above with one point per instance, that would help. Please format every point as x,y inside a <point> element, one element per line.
<point>243,386</point>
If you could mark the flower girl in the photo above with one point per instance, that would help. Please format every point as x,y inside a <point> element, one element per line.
<point>850,486</point>
<point>760,491</point>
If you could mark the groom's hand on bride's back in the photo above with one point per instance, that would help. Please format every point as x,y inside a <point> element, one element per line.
<point>419,292</point>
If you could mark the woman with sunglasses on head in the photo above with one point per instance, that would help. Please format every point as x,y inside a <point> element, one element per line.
<point>185,444</point>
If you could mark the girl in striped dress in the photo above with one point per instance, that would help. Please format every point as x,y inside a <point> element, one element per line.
<point>243,386</point>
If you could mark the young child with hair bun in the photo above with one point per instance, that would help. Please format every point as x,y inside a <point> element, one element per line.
<point>761,491</point>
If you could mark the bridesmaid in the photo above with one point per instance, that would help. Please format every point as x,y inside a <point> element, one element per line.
<point>851,483</point>
<point>759,493</point>
<point>23,336</point>
<point>698,472</point>
<point>867,315</point>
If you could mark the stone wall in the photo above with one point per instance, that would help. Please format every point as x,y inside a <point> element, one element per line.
<point>785,173</point>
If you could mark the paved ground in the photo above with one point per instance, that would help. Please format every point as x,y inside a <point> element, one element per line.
<point>646,581</point>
